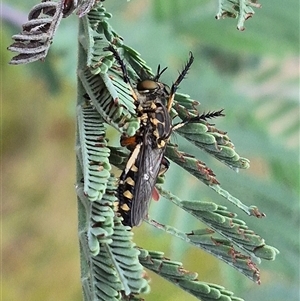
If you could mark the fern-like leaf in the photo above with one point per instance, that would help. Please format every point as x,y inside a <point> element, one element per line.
<point>34,41</point>
<point>110,265</point>
<point>37,35</point>
<point>226,224</point>
<point>241,9</point>
<point>93,152</point>
<point>174,272</point>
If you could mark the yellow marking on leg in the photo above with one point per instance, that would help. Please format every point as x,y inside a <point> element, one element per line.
<point>132,159</point>
<point>170,102</point>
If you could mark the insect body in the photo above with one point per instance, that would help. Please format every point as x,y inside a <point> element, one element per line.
<point>146,162</point>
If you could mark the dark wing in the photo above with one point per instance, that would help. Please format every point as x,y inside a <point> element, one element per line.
<point>148,164</point>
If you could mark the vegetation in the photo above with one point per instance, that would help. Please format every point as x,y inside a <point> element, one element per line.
<point>249,74</point>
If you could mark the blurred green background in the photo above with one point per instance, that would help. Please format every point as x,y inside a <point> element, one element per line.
<point>253,75</point>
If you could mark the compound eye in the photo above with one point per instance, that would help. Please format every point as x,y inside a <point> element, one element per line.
<point>147,86</point>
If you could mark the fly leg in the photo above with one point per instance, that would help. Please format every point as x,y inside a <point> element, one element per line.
<point>198,118</point>
<point>178,81</point>
<point>123,68</point>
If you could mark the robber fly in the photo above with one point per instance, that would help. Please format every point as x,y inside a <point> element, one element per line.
<point>146,162</point>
